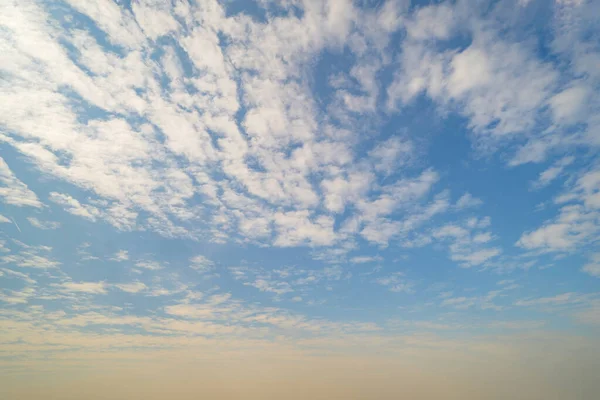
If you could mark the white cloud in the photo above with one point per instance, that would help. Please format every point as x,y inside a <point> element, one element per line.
<point>149,265</point>
<point>467,245</point>
<point>280,157</point>
<point>121,255</point>
<point>17,296</point>
<point>485,302</point>
<point>30,257</point>
<point>121,27</point>
<point>498,82</point>
<point>288,280</point>
<point>13,191</point>
<point>278,288</point>
<point>396,283</point>
<point>593,267</point>
<point>477,257</point>
<point>433,22</point>
<point>45,225</point>
<point>392,154</point>
<point>4,220</point>
<point>297,228</point>
<point>576,224</point>
<point>134,287</point>
<point>550,174</point>
<point>73,206</point>
<point>365,259</point>
<point>19,275</point>
<point>569,105</point>
<point>500,97</point>
<point>154,17</point>
<point>84,287</point>
<point>468,201</point>
<point>201,264</point>
<point>560,299</point>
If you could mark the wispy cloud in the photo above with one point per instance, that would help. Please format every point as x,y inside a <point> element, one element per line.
<point>15,192</point>
<point>45,225</point>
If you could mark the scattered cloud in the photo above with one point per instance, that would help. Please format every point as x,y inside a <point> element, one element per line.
<point>578,220</point>
<point>365,259</point>
<point>121,255</point>
<point>13,191</point>
<point>485,302</point>
<point>396,283</point>
<point>593,267</point>
<point>84,287</point>
<point>468,246</point>
<point>550,174</point>
<point>134,287</point>
<point>201,264</point>
<point>30,257</point>
<point>74,207</point>
<point>150,265</point>
<point>560,299</point>
<point>44,225</point>
<point>468,201</point>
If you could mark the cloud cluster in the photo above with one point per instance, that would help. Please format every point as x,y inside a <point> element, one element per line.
<point>203,136</point>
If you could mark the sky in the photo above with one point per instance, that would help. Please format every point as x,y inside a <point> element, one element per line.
<point>325,199</point>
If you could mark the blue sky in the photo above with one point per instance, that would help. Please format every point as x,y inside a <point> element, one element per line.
<point>298,172</point>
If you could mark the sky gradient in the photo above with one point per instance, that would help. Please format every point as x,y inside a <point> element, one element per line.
<point>299,199</point>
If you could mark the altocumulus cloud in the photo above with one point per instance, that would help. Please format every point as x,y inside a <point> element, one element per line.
<point>303,185</point>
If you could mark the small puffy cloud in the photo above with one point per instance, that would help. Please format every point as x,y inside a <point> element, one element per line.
<point>17,296</point>
<point>149,265</point>
<point>365,259</point>
<point>479,222</point>
<point>467,245</point>
<point>593,267</point>
<point>577,221</point>
<point>389,155</point>
<point>4,220</point>
<point>468,201</point>
<point>121,255</point>
<point>134,287</point>
<point>18,275</point>
<point>573,227</point>
<point>560,299</point>
<point>484,302</point>
<point>45,225</point>
<point>297,227</point>
<point>396,283</point>
<point>550,174</point>
<point>73,206</point>
<point>265,285</point>
<point>461,302</point>
<point>84,287</point>
<point>30,258</point>
<point>476,257</point>
<point>201,263</point>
